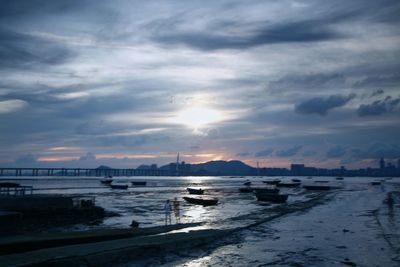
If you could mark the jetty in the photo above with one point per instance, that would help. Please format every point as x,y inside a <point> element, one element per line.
<point>98,172</point>
<point>101,247</point>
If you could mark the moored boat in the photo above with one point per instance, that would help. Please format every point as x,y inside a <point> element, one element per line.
<point>272,182</point>
<point>272,197</point>
<point>247,183</point>
<point>204,201</point>
<point>339,178</point>
<point>376,183</point>
<point>288,184</point>
<point>246,189</point>
<point>317,187</point>
<point>296,180</point>
<point>107,180</point>
<point>119,186</point>
<point>139,183</point>
<point>195,191</point>
<point>266,190</point>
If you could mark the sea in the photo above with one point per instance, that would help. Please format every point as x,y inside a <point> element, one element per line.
<point>351,224</point>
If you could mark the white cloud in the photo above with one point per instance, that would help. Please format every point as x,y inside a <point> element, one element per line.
<point>8,106</point>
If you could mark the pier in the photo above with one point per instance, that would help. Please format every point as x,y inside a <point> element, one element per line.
<point>81,172</point>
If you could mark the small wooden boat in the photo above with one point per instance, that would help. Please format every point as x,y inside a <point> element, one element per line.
<point>107,180</point>
<point>296,180</point>
<point>272,197</point>
<point>139,183</point>
<point>266,190</point>
<point>202,201</point>
<point>339,178</point>
<point>246,189</point>
<point>317,187</point>
<point>376,183</point>
<point>272,182</point>
<point>195,191</point>
<point>119,186</point>
<point>247,183</point>
<point>288,184</point>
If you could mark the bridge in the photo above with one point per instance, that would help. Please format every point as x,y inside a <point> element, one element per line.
<point>82,172</point>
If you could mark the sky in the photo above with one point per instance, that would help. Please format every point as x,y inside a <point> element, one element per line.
<point>124,83</point>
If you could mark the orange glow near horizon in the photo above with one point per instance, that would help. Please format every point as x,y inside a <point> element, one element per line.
<point>55,159</point>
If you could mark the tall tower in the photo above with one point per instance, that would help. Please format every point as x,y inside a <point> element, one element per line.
<point>177,164</point>
<point>258,169</point>
<point>382,163</point>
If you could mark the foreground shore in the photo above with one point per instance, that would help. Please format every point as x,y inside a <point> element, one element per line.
<point>350,226</point>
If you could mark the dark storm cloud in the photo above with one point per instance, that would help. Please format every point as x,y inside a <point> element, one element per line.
<point>321,105</point>
<point>302,31</point>
<point>379,107</point>
<point>336,152</point>
<point>386,79</point>
<point>288,152</point>
<point>377,92</point>
<point>264,153</point>
<point>308,82</point>
<point>23,51</point>
<point>378,150</point>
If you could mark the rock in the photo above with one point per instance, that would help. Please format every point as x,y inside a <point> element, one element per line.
<point>134,224</point>
<point>350,263</point>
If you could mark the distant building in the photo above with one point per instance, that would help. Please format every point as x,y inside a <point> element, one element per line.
<point>297,169</point>
<point>382,164</point>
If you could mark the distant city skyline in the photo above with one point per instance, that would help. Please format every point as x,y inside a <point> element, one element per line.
<point>124,83</point>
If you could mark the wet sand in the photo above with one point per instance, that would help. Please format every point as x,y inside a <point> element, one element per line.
<point>344,228</point>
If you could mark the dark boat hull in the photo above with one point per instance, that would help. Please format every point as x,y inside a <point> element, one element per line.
<point>273,182</point>
<point>293,184</point>
<point>139,183</point>
<point>118,186</point>
<point>246,190</point>
<point>317,187</point>
<point>275,198</point>
<point>202,201</point>
<point>194,191</point>
<point>266,190</point>
<point>106,181</point>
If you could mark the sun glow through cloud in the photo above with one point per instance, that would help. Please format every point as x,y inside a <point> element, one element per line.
<point>196,117</point>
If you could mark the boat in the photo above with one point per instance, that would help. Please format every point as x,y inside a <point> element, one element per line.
<point>139,183</point>
<point>247,183</point>
<point>296,180</point>
<point>339,178</point>
<point>194,191</point>
<point>271,197</point>
<point>246,189</point>
<point>119,185</point>
<point>272,182</point>
<point>204,201</point>
<point>317,187</point>
<point>106,180</point>
<point>376,183</point>
<point>266,190</point>
<point>288,184</point>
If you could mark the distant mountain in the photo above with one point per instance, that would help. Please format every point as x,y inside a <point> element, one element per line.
<point>221,167</point>
<point>103,167</point>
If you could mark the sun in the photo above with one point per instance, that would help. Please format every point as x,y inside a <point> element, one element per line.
<point>196,117</point>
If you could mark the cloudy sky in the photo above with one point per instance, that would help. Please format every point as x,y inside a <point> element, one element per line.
<point>121,83</point>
